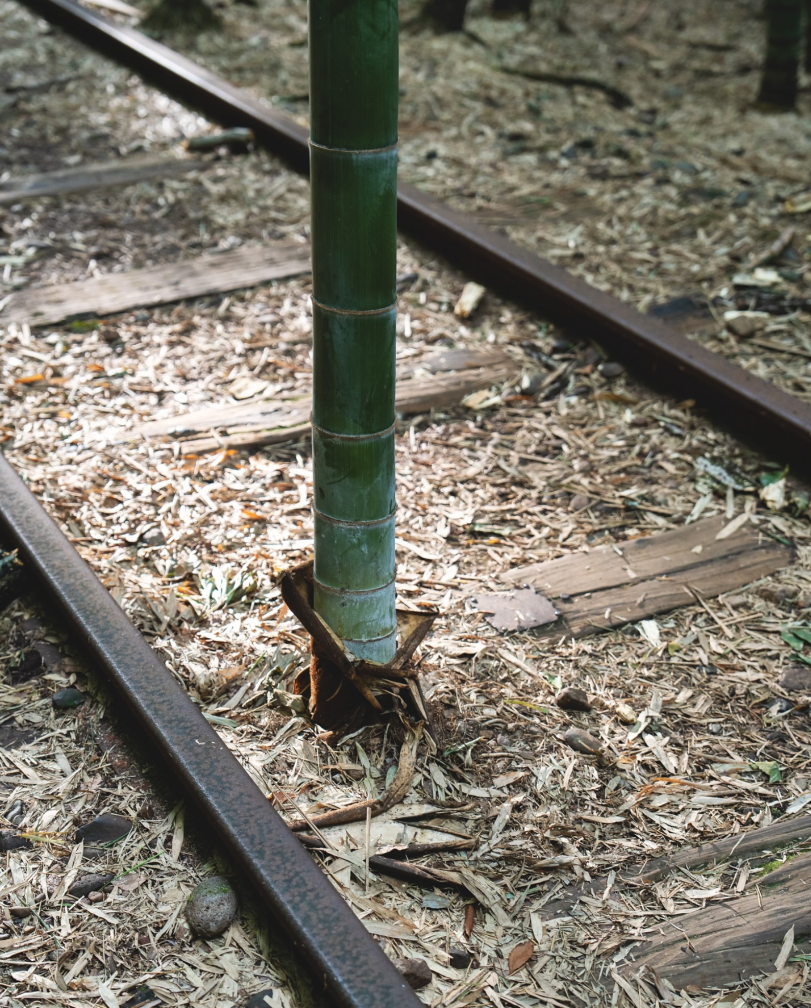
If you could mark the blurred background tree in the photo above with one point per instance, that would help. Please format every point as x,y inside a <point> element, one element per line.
<point>778,84</point>
<point>444,15</point>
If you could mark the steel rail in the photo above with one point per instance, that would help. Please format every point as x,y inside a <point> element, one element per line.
<point>354,970</point>
<point>751,407</point>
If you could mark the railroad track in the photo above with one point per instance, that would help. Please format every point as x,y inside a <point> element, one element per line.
<point>749,406</point>
<point>333,942</point>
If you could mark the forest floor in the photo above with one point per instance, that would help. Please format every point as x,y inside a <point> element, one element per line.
<point>669,197</point>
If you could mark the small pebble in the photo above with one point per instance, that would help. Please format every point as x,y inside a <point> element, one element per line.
<point>459,958</point>
<point>579,502</point>
<point>417,972</point>
<point>582,742</point>
<point>89,884</point>
<point>531,383</point>
<point>744,326</point>
<point>105,829</point>
<point>15,813</point>
<point>611,369</point>
<point>714,729</point>
<point>66,699</point>
<point>573,698</point>
<point>796,679</point>
<point>143,995</point>
<point>211,907</point>
<point>625,713</point>
<point>262,999</point>
<point>20,912</point>
<point>153,537</point>
<point>780,706</point>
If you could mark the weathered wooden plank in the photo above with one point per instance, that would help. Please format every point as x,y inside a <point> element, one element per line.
<point>648,556</point>
<point>414,395</point>
<point>419,395</point>
<point>729,941</point>
<point>101,175</point>
<point>610,586</point>
<point>613,607</point>
<point>777,836</point>
<point>455,359</point>
<point>772,837</point>
<point>116,292</point>
<point>265,412</point>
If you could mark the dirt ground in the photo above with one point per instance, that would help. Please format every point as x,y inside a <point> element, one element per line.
<point>191,545</point>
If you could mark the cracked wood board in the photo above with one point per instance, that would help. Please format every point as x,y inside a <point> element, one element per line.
<point>86,177</point>
<point>611,585</point>
<point>730,941</point>
<point>777,837</point>
<point>105,295</point>
<point>257,422</point>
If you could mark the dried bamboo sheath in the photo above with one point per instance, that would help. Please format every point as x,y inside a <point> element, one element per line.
<point>353,165</point>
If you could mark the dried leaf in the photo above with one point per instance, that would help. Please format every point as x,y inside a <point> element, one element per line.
<point>520,955</point>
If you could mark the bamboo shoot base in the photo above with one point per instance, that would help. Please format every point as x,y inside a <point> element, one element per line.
<point>344,693</point>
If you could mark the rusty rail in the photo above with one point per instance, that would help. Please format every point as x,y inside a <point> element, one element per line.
<point>751,407</point>
<point>339,950</point>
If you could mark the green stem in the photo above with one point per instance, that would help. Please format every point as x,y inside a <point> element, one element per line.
<point>353,172</point>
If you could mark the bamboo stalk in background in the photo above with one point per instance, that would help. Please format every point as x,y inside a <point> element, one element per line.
<point>353,171</point>
<point>778,84</point>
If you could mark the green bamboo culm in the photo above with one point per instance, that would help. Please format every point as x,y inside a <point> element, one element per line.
<point>778,83</point>
<point>353,177</point>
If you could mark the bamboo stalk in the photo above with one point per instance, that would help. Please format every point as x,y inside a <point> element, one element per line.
<point>778,84</point>
<point>353,166</point>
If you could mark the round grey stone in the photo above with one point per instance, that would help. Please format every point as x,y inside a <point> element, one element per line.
<point>573,698</point>
<point>67,698</point>
<point>89,884</point>
<point>611,369</point>
<point>211,907</point>
<point>582,742</point>
<point>104,829</point>
<point>459,958</point>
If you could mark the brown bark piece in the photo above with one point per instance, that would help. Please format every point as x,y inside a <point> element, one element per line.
<point>163,284</point>
<point>603,589</point>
